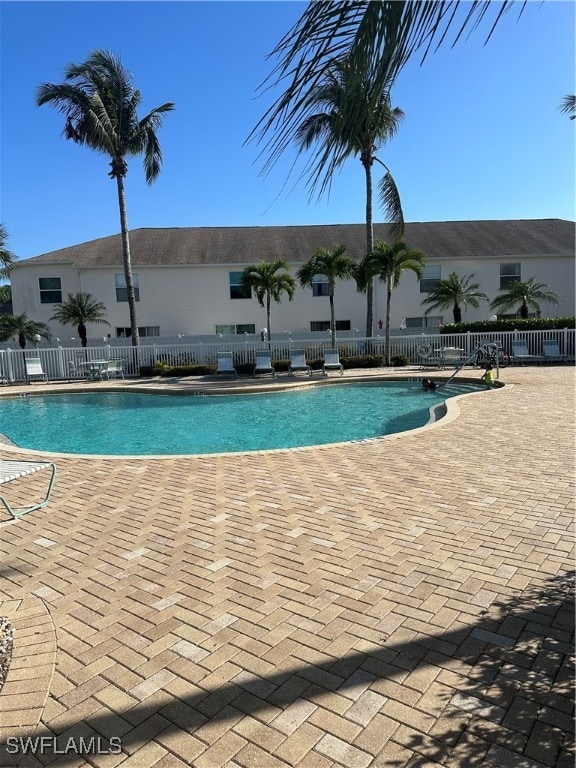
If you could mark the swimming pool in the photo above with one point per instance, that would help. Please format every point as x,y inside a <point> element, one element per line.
<point>132,423</point>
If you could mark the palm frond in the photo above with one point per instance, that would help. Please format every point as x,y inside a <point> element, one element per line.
<point>384,33</point>
<point>568,106</point>
<point>391,204</point>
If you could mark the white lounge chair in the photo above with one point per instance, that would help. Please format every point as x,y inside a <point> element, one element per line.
<point>520,354</point>
<point>263,364</point>
<point>34,369</point>
<point>332,362</point>
<point>298,362</point>
<point>551,350</point>
<point>115,368</point>
<point>14,470</point>
<point>226,364</point>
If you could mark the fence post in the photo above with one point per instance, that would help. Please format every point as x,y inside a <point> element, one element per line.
<point>9,366</point>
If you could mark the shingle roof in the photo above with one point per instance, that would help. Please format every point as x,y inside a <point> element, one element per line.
<point>245,245</point>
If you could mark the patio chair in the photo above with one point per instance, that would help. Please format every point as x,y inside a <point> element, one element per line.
<point>115,368</point>
<point>551,350</point>
<point>13,470</point>
<point>34,369</point>
<point>298,362</point>
<point>332,362</point>
<point>74,373</point>
<point>226,364</point>
<point>263,364</point>
<point>520,354</point>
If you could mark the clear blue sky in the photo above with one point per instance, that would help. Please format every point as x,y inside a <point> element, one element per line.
<point>483,136</point>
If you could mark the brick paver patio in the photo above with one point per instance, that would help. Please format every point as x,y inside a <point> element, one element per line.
<point>401,602</point>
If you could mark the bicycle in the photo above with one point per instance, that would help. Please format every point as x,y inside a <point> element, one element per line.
<point>491,353</point>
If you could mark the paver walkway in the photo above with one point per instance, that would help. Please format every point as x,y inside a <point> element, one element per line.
<point>401,602</point>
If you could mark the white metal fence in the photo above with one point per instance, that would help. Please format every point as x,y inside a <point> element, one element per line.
<point>55,360</point>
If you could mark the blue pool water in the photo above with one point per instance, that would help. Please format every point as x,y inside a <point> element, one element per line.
<point>133,423</point>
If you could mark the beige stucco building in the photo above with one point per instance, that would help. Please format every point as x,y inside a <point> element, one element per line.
<point>187,278</point>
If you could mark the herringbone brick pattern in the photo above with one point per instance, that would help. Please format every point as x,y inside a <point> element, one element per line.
<point>401,602</point>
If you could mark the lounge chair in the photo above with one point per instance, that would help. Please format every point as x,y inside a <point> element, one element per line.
<point>520,354</point>
<point>34,369</point>
<point>13,470</point>
<point>263,364</point>
<point>115,368</point>
<point>226,364</point>
<point>551,350</point>
<point>298,362</point>
<point>332,362</point>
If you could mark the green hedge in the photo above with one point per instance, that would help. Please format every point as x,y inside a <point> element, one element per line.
<point>162,368</point>
<point>516,324</point>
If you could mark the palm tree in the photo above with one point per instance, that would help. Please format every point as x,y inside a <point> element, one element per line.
<point>268,284</point>
<point>388,262</point>
<point>455,292</point>
<point>79,310</point>
<point>349,114</point>
<point>383,34</point>
<point>568,106</point>
<point>22,328</point>
<point>335,266</point>
<point>5,294</point>
<point>100,101</point>
<point>7,258</point>
<point>524,295</point>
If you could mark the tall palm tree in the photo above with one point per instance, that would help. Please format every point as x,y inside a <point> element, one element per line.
<point>268,284</point>
<point>349,113</point>
<point>333,265</point>
<point>387,263</point>
<point>21,328</point>
<point>568,106</point>
<point>100,101</point>
<point>384,34</point>
<point>455,292</point>
<point>7,258</point>
<point>78,310</point>
<point>525,295</point>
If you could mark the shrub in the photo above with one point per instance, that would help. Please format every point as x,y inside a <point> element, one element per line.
<point>399,360</point>
<point>363,361</point>
<point>516,324</point>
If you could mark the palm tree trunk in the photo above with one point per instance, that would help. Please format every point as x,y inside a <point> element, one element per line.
<point>367,163</point>
<point>387,336</point>
<point>332,318</point>
<point>268,319</point>
<point>127,262</point>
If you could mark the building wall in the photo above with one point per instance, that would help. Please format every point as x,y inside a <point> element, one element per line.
<point>195,299</point>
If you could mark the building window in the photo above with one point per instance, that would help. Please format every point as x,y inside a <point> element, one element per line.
<point>320,286</point>
<point>430,278</point>
<point>50,290</point>
<point>324,325</point>
<point>424,322</point>
<point>233,330</point>
<point>143,331</point>
<point>509,273</point>
<point>236,290</point>
<point>122,291</point>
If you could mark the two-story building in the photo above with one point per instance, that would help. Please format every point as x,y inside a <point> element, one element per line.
<point>188,279</point>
